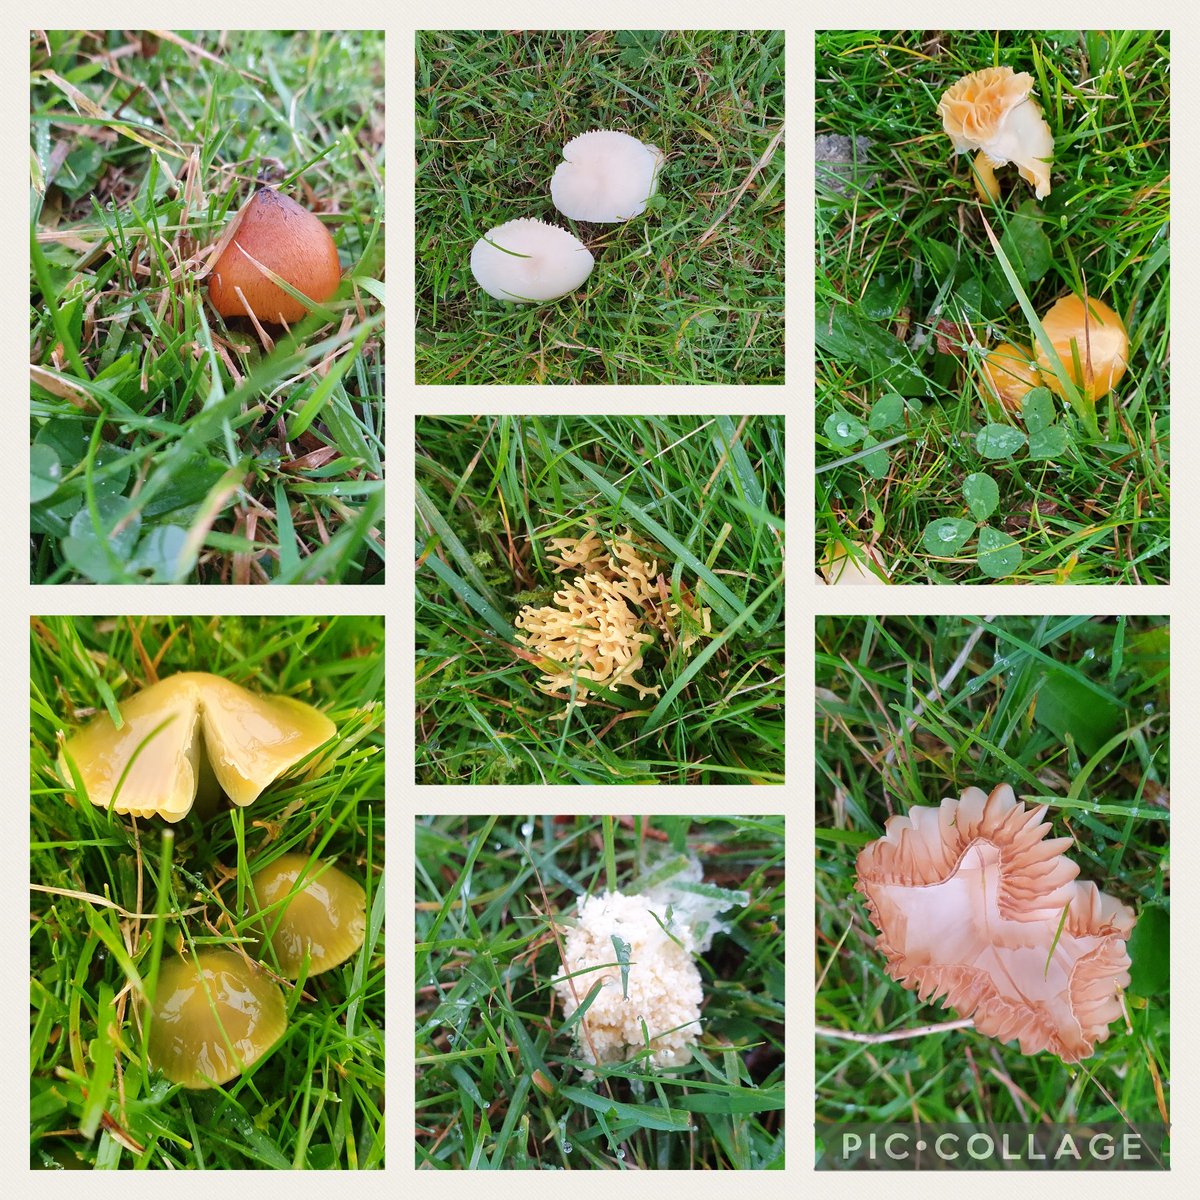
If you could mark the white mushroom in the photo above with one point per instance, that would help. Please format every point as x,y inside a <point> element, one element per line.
<point>529,262</point>
<point>607,177</point>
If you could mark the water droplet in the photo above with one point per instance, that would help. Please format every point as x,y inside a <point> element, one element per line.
<point>843,429</point>
<point>948,532</point>
<point>527,829</point>
<point>621,1153</point>
<point>567,1147</point>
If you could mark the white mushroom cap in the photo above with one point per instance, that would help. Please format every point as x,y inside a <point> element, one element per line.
<point>528,262</point>
<point>608,177</point>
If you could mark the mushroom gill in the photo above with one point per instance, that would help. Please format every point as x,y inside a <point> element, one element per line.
<point>973,904</point>
<point>991,111</point>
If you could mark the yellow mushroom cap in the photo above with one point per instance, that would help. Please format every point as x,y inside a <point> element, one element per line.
<point>1009,375</point>
<point>176,728</point>
<point>213,1016</point>
<point>1095,336</point>
<point>325,918</point>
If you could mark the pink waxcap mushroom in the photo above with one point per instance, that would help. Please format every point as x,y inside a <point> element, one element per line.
<point>608,177</point>
<point>529,262</point>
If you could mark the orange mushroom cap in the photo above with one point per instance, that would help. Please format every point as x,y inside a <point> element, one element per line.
<point>969,900</point>
<point>1095,336</point>
<point>1010,377</point>
<point>274,232</point>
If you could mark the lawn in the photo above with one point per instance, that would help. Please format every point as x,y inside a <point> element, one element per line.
<point>113,897</point>
<point>701,500</point>
<point>498,1082</point>
<point>170,445</point>
<point>917,278</point>
<point>690,292</point>
<point>1072,712</point>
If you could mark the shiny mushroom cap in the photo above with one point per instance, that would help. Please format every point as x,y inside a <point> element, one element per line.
<point>213,1016</point>
<point>1009,375</point>
<point>974,904</point>
<point>273,231</point>
<point>607,177</point>
<point>529,262</point>
<point>991,110</point>
<point>1094,337</point>
<point>178,731</point>
<point>309,909</point>
<point>849,564</point>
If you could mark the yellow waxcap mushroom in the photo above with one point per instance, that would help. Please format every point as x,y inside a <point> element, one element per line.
<point>309,908</point>
<point>190,733</point>
<point>1093,336</point>
<point>1009,375</point>
<point>213,1016</point>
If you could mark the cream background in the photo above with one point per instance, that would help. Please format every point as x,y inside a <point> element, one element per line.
<point>18,600</point>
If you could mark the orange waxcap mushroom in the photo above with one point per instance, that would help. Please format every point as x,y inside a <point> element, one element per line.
<point>991,111</point>
<point>1009,375</point>
<point>1093,337</point>
<point>189,733</point>
<point>274,232</point>
<point>974,904</point>
<point>213,1016</point>
<point>310,910</point>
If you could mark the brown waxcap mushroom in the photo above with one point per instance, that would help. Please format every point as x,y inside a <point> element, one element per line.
<point>185,731</point>
<point>607,177</point>
<point>275,232</point>
<point>1095,336</point>
<point>214,1015</point>
<point>974,904</point>
<point>1009,375</point>
<point>529,262</point>
<point>325,917</point>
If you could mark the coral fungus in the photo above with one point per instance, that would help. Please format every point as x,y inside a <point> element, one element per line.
<point>594,634</point>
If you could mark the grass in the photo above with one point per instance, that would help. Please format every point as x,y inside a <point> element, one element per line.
<point>706,492</point>
<point>497,1083</point>
<point>170,445</point>
<point>690,292</point>
<point>1073,713</point>
<point>112,895</point>
<point>911,289</point>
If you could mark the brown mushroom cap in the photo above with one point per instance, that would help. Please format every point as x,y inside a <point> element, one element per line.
<point>1010,377</point>
<point>178,729</point>
<point>213,1016</point>
<point>325,917</point>
<point>285,238</point>
<point>970,899</point>
<point>1094,335</point>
